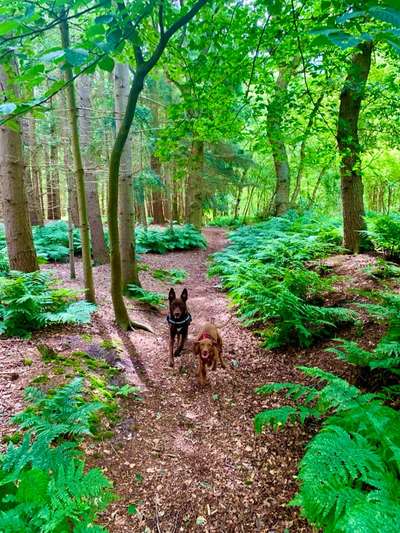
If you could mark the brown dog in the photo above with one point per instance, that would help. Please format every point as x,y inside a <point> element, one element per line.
<point>178,319</point>
<point>208,347</point>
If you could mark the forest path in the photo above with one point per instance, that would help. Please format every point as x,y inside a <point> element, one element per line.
<point>187,457</point>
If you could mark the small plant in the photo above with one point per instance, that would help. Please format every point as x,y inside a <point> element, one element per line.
<point>154,299</point>
<point>32,301</point>
<point>384,232</point>
<point>180,238</point>
<point>44,485</point>
<point>382,269</point>
<point>349,476</point>
<point>264,272</point>
<point>173,276</point>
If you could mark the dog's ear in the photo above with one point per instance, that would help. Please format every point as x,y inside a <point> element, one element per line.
<point>184,295</point>
<point>196,347</point>
<point>171,295</point>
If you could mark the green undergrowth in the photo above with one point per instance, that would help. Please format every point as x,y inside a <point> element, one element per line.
<point>185,237</point>
<point>349,477</point>
<point>173,276</point>
<point>51,241</point>
<point>33,301</point>
<point>265,273</point>
<point>99,376</point>
<point>45,485</point>
<point>384,233</point>
<point>151,298</point>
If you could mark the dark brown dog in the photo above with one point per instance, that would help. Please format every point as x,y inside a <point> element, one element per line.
<point>208,347</point>
<point>178,319</point>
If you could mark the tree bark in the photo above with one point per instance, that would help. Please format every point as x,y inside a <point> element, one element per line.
<point>349,146</point>
<point>141,71</point>
<point>156,195</point>
<point>52,176</point>
<point>99,250</point>
<point>129,270</point>
<point>21,251</point>
<point>275,136</point>
<point>79,173</point>
<point>32,175</point>
<point>194,187</point>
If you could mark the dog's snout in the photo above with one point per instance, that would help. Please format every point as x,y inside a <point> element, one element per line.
<point>177,314</point>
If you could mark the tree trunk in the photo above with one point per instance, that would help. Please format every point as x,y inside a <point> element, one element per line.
<point>129,271</point>
<point>32,175</point>
<point>275,136</point>
<point>302,155</point>
<point>156,194</point>
<point>349,147</point>
<point>99,250</point>
<point>194,188</point>
<point>53,178</point>
<point>21,251</point>
<point>79,173</point>
<point>72,199</point>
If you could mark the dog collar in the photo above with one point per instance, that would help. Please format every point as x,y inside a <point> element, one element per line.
<point>179,323</point>
<point>205,336</point>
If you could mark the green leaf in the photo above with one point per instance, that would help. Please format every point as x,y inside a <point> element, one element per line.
<point>95,30</point>
<point>52,56</point>
<point>33,486</point>
<point>386,14</point>
<point>132,509</point>
<point>104,19</point>
<point>7,108</point>
<point>8,25</point>
<point>107,63</point>
<point>76,56</point>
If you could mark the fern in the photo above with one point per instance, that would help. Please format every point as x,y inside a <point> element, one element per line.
<point>179,238</point>
<point>155,299</point>
<point>44,485</point>
<point>32,301</point>
<point>263,270</point>
<point>384,232</point>
<point>173,276</point>
<point>351,466</point>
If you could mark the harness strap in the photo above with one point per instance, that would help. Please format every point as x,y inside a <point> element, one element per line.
<point>180,323</point>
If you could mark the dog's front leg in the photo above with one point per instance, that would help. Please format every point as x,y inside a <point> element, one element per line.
<point>171,350</point>
<point>202,375</point>
<point>181,341</point>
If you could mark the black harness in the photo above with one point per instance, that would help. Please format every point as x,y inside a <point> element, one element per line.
<point>179,324</point>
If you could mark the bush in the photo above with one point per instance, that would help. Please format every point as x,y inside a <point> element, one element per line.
<point>264,273</point>
<point>44,485</point>
<point>32,301</point>
<point>384,233</point>
<point>161,241</point>
<point>173,276</point>
<point>51,241</point>
<point>349,476</point>
<point>155,299</point>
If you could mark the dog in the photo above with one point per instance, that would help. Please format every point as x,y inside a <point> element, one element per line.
<point>208,347</point>
<point>179,320</point>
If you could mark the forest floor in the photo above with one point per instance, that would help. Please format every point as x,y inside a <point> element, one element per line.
<point>187,457</point>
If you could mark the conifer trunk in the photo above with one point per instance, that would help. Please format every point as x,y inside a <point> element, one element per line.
<point>129,271</point>
<point>349,146</point>
<point>79,174</point>
<point>21,251</point>
<point>99,250</point>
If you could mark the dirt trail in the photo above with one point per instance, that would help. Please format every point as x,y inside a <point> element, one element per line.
<point>186,456</point>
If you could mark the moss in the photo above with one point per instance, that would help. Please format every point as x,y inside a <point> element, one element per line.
<point>42,378</point>
<point>27,362</point>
